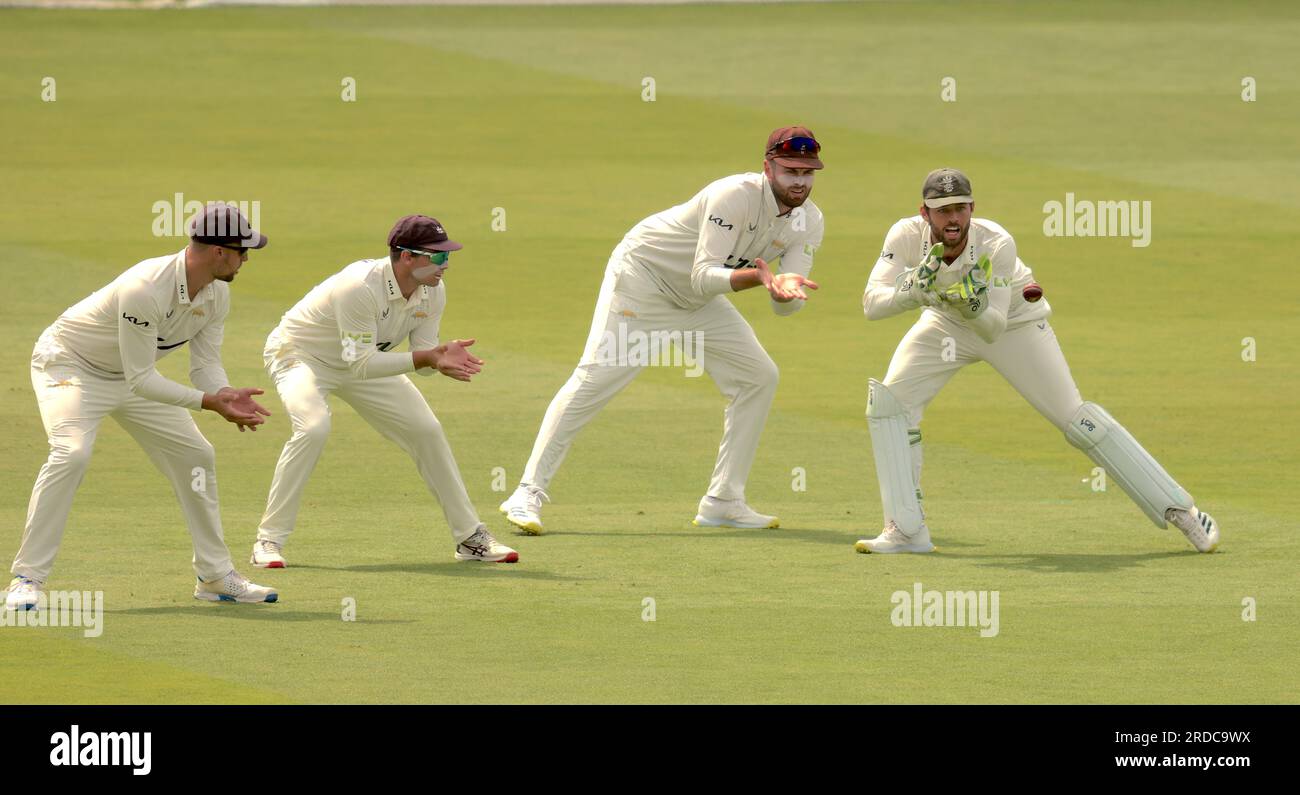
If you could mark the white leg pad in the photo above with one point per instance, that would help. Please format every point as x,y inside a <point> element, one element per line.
<point>1108,444</point>
<point>888,423</point>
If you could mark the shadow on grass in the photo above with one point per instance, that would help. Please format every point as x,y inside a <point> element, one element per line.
<point>512,571</point>
<point>1056,562</point>
<point>802,534</point>
<point>263,612</point>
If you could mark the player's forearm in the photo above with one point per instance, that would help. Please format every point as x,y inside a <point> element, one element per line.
<point>990,324</point>
<point>425,358</point>
<point>381,364</point>
<point>711,279</point>
<point>210,377</point>
<point>744,279</point>
<point>151,385</point>
<point>424,366</point>
<point>880,302</point>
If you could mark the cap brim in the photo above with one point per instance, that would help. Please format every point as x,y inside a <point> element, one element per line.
<point>261,241</point>
<point>446,245</point>
<point>798,162</point>
<point>935,204</point>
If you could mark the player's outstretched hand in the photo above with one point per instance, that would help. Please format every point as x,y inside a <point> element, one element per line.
<point>792,284</point>
<point>783,287</point>
<point>237,406</point>
<point>456,362</point>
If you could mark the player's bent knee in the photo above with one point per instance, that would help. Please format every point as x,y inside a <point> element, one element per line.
<point>72,453</point>
<point>768,375</point>
<point>315,429</point>
<point>881,402</point>
<point>1063,417</point>
<point>427,428</point>
<point>194,452</point>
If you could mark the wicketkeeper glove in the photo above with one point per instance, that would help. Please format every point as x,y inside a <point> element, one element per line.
<point>918,283</point>
<point>970,296</point>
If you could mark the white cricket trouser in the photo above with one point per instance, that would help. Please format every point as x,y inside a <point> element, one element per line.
<point>73,401</point>
<point>727,348</point>
<point>392,405</point>
<point>1028,357</point>
<point>935,348</point>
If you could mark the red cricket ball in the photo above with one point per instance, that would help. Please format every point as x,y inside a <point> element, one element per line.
<point>1032,292</point>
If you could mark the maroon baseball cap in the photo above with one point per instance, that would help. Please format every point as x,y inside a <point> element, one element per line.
<point>422,232</point>
<point>222,224</point>
<point>794,147</point>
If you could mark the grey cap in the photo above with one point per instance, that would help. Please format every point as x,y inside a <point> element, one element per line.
<point>945,186</point>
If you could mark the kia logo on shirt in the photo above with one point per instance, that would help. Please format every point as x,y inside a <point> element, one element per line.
<point>141,323</point>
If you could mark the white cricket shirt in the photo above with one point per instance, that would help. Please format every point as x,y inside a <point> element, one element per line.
<point>121,330</point>
<point>353,320</point>
<point>690,250</point>
<point>906,247</point>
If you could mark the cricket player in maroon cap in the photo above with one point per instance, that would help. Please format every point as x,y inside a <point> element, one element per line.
<point>668,277</point>
<point>98,360</point>
<point>339,340</point>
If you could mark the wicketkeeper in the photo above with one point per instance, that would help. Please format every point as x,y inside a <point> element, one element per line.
<point>979,303</point>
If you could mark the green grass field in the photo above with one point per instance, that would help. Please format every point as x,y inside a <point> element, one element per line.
<point>539,111</point>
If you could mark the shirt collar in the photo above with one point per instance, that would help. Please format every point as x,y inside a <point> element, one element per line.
<point>770,210</point>
<point>394,292</point>
<point>183,285</point>
<point>182,280</point>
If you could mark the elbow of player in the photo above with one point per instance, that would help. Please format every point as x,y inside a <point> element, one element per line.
<point>699,282</point>
<point>991,331</point>
<point>357,367</point>
<point>136,381</point>
<point>873,309</point>
<point>787,308</point>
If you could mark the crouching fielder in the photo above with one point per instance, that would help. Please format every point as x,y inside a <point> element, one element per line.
<point>99,359</point>
<point>668,276</point>
<point>336,341</point>
<point>979,303</point>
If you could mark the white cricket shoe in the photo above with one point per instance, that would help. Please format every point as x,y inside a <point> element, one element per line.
<point>23,593</point>
<point>483,547</point>
<point>234,587</point>
<point>714,512</point>
<point>266,555</point>
<point>1199,527</point>
<point>892,540</point>
<point>523,509</point>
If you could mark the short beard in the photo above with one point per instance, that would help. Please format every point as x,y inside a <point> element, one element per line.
<point>790,201</point>
<point>226,279</point>
<point>936,234</point>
